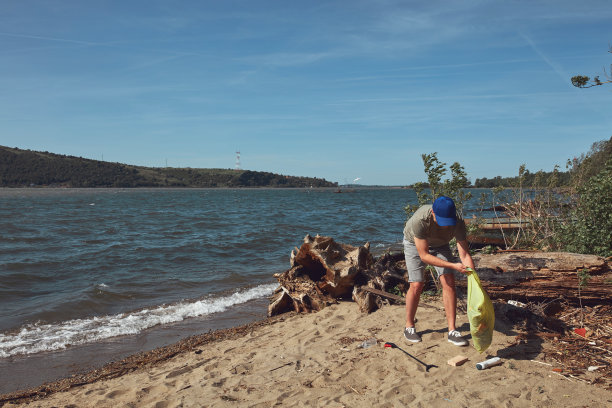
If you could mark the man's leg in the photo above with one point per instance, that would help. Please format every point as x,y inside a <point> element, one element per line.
<point>415,268</point>
<point>413,295</point>
<point>449,297</point>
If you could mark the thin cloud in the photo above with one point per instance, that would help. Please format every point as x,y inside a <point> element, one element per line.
<point>285,59</point>
<point>555,67</point>
<point>45,38</point>
<point>447,98</point>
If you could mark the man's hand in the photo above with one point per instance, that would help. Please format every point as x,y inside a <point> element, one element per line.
<point>460,268</point>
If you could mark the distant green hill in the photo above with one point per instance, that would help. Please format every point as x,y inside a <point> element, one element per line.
<point>27,168</point>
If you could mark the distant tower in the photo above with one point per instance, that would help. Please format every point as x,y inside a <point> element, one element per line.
<point>238,160</point>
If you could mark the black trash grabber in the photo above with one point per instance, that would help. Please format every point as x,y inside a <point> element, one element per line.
<point>427,366</point>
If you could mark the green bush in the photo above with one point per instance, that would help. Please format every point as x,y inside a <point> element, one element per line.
<point>452,187</point>
<point>587,227</point>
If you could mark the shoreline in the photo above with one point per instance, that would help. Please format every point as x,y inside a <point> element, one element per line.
<point>316,360</point>
<point>137,361</point>
<point>30,370</point>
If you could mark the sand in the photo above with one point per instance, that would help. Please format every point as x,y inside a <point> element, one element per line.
<point>312,360</point>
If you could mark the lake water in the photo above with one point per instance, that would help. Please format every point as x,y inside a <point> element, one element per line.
<point>89,275</point>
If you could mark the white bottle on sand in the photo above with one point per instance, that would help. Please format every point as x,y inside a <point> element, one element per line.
<point>489,363</point>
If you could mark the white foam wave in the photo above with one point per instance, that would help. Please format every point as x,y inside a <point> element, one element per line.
<point>36,338</point>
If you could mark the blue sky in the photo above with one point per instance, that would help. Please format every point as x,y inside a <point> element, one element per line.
<point>334,89</point>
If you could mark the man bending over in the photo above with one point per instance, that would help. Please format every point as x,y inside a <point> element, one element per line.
<point>426,237</point>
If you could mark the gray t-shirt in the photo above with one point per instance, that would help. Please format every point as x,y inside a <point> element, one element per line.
<point>422,225</point>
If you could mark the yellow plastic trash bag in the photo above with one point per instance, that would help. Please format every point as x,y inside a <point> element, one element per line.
<point>480,313</point>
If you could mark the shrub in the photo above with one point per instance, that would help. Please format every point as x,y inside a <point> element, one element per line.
<point>587,227</point>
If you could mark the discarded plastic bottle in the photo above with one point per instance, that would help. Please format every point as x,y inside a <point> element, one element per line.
<point>517,304</point>
<point>369,343</point>
<point>489,363</point>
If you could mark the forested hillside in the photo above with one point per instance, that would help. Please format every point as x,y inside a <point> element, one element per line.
<point>26,168</point>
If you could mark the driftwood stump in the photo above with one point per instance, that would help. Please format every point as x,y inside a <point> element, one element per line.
<point>322,271</point>
<point>387,275</point>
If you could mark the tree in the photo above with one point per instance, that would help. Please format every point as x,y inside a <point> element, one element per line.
<point>452,187</point>
<point>588,229</point>
<point>581,81</point>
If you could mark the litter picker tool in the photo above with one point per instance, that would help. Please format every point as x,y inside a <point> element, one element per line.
<point>427,366</point>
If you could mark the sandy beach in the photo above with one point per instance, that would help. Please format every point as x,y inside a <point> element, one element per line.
<point>316,360</point>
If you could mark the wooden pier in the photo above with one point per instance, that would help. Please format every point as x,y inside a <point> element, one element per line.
<point>492,230</point>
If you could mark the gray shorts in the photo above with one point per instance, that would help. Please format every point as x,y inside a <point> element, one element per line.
<point>416,267</point>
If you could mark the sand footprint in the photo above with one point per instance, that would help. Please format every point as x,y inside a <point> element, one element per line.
<point>312,338</point>
<point>116,393</point>
<point>178,372</point>
<point>243,368</point>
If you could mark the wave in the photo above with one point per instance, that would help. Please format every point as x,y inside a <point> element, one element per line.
<point>36,338</point>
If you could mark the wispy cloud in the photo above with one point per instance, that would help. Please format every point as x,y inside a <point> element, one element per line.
<point>452,97</point>
<point>555,67</point>
<point>46,38</point>
<point>285,59</point>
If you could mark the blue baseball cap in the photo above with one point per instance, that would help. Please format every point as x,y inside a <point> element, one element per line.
<point>444,209</point>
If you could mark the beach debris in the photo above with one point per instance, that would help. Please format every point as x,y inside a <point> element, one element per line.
<point>322,271</point>
<point>489,363</point>
<point>546,282</point>
<point>281,366</point>
<point>457,360</point>
<point>543,276</point>
<point>517,303</point>
<point>581,331</point>
<point>398,299</point>
<point>395,346</point>
<point>541,362</point>
<point>575,354</point>
<point>594,368</point>
<point>368,343</point>
<point>373,288</point>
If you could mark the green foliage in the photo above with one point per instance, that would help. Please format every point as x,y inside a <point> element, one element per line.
<point>585,166</point>
<point>569,211</point>
<point>582,81</point>
<point>576,219</point>
<point>583,278</point>
<point>25,168</point>
<point>489,249</point>
<point>587,225</point>
<point>452,187</point>
<point>431,293</point>
<point>396,291</point>
<point>528,178</point>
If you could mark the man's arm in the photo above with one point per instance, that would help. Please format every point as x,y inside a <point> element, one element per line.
<point>464,254</point>
<point>423,249</point>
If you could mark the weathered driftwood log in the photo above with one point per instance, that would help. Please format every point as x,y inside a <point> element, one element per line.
<point>544,276</point>
<point>322,271</point>
<point>385,274</point>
